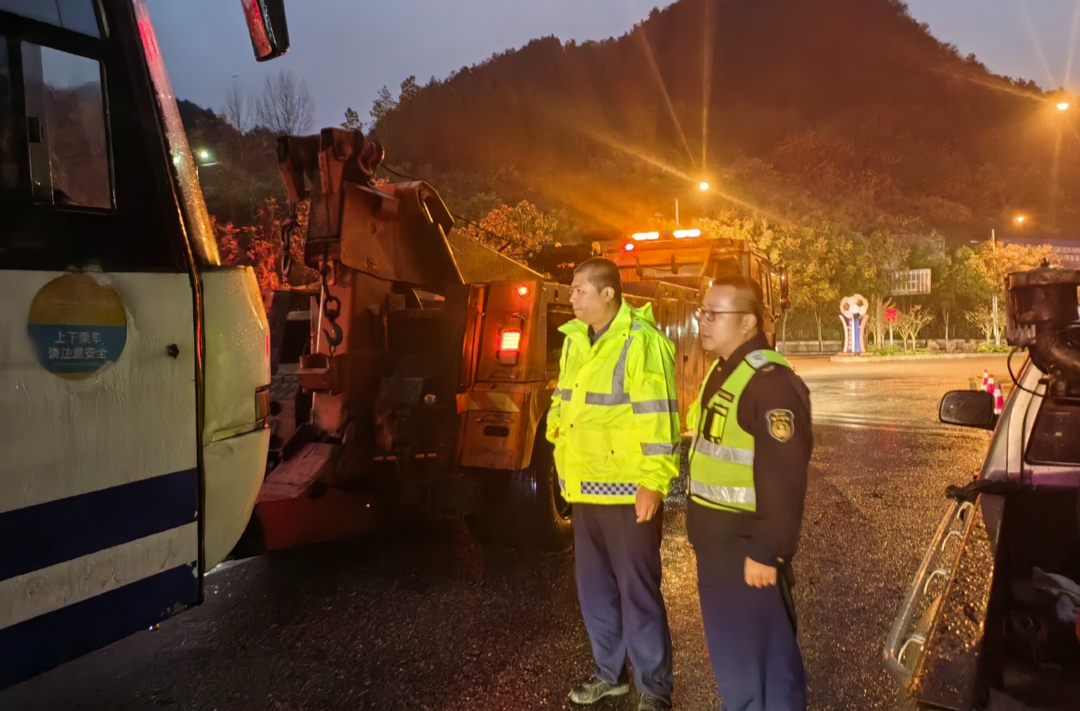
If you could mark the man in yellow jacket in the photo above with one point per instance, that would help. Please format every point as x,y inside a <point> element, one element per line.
<point>614,421</point>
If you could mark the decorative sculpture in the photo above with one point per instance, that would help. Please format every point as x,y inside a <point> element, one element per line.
<point>853,316</point>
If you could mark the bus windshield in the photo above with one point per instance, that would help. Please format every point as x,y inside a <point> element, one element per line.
<point>202,234</point>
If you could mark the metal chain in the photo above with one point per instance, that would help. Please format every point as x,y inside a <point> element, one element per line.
<point>331,309</point>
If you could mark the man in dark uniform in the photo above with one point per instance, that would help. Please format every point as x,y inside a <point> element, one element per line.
<point>748,467</point>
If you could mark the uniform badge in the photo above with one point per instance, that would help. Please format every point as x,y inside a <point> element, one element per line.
<point>781,424</point>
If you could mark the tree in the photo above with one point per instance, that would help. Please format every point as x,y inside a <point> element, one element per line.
<point>931,254</point>
<point>383,106</point>
<point>814,262</point>
<point>876,326</point>
<point>258,245</point>
<point>515,231</point>
<point>409,90</point>
<point>238,109</point>
<point>909,323</point>
<point>352,120</point>
<point>960,288</point>
<point>993,263</point>
<point>982,318</point>
<point>285,107</point>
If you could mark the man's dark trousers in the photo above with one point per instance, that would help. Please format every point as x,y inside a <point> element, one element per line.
<point>752,642</point>
<point>618,576</point>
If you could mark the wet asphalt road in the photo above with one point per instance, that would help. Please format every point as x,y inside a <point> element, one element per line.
<point>435,621</point>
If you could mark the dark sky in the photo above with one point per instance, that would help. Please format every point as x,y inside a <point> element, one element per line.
<point>347,49</point>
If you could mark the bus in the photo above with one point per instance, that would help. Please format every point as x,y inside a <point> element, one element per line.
<point>134,366</point>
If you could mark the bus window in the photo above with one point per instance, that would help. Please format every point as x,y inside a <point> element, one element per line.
<point>9,167</point>
<point>82,180</point>
<point>75,15</point>
<point>75,157</point>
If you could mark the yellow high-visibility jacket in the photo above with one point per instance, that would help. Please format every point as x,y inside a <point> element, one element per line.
<point>614,417</point>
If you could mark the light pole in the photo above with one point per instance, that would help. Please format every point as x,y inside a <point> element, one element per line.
<point>703,186</point>
<point>993,248</point>
<point>1019,219</point>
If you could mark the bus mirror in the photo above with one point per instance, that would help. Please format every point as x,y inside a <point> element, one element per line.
<point>267,26</point>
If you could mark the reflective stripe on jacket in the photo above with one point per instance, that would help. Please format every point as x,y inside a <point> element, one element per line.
<point>722,455</point>
<point>614,417</point>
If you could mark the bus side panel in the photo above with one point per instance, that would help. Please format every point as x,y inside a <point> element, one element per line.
<point>99,481</point>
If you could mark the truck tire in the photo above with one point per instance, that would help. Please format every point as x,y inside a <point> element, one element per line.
<point>524,509</point>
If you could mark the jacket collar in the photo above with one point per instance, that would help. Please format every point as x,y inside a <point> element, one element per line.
<point>757,343</point>
<point>622,322</point>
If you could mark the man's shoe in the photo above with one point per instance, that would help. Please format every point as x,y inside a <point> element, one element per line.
<point>653,703</point>
<point>592,691</point>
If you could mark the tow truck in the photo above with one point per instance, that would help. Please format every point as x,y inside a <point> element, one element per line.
<point>428,361</point>
<point>990,621</point>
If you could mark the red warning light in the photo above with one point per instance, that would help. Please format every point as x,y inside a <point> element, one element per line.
<point>509,345</point>
<point>523,290</point>
<point>510,341</point>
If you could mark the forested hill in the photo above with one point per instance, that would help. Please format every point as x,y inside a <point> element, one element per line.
<point>845,110</point>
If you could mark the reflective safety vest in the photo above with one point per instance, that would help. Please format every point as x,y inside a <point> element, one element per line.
<point>614,416</point>
<point>722,456</point>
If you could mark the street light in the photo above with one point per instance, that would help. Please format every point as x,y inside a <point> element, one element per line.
<point>703,186</point>
<point>1019,220</point>
<point>1063,106</point>
<point>204,160</point>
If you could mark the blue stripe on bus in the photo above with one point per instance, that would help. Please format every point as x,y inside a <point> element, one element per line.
<point>54,532</point>
<point>39,644</point>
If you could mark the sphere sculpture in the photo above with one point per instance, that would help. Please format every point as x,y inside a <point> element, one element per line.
<point>853,310</point>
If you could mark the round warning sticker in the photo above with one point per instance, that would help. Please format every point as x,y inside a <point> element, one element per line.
<point>77,326</point>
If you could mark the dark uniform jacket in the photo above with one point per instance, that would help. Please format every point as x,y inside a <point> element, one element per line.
<point>780,465</point>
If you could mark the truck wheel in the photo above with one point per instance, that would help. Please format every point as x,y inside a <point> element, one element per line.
<point>524,509</point>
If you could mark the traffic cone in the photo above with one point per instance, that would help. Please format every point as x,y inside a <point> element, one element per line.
<point>999,401</point>
<point>986,380</point>
<point>990,384</point>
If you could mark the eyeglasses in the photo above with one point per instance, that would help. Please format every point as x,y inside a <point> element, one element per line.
<point>709,315</point>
